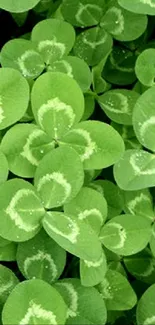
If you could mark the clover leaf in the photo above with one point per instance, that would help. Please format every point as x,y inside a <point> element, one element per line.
<point>41,258</point>
<point>88,205</point>
<point>13,103</point>
<point>24,145</point>
<point>57,103</point>
<point>145,308</point>
<point>126,234</point>
<point>21,210</point>
<point>59,177</point>
<point>73,235</point>
<point>85,305</point>
<point>54,39</point>
<point>18,5</point>
<point>86,137</point>
<point>39,302</point>
<point>113,288</point>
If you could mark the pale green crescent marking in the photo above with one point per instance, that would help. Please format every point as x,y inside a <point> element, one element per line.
<point>56,105</point>
<point>40,256</point>
<point>133,144</point>
<point>145,126</point>
<point>148,2</point>
<point>124,105</point>
<point>72,310</point>
<point>27,153</point>
<point>21,62</point>
<point>6,286</point>
<point>74,230</point>
<point>83,8</point>
<point>1,111</point>
<point>98,188</point>
<point>91,145</point>
<point>133,161</point>
<point>52,43</point>
<point>149,321</point>
<point>132,204</point>
<point>119,22</point>
<point>121,232</point>
<point>124,132</point>
<point>106,289</point>
<point>94,264</point>
<point>36,310</point>
<point>93,45</point>
<point>147,272</point>
<point>68,68</point>
<point>86,213</point>
<point>60,179</point>
<point>15,216</point>
<point>116,66</point>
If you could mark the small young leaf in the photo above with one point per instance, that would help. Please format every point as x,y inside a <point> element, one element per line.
<point>22,55</point>
<point>93,45</point>
<point>118,105</point>
<point>126,234</point>
<point>75,68</point>
<point>114,288</point>
<point>54,38</point>
<point>41,258</point>
<point>14,96</point>
<point>57,103</point>
<point>117,266</point>
<point>91,273</point>
<point>99,84</point>
<point>39,303</point>
<point>88,205</point>
<point>139,6</point>
<point>128,136</point>
<point>112,194</point>
<point>20,210</point>
<point>90,175</point>
<point>59,177</point>
<point>111,256</point>
<point>82,13</point>
<point>126,131</point>
<point>85,305</point>
<point>86,137</point>
<point>24,146</point>
<point>145,313</point>
<point>144,118</point>
<point>20,17</point>
<point>135,170</point>
<point>73,235</point>
<point>8,281</point>
<point>89,106</point>
<point>132,144</point>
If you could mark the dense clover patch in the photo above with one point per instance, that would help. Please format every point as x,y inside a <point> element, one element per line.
<point>77,162</point>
